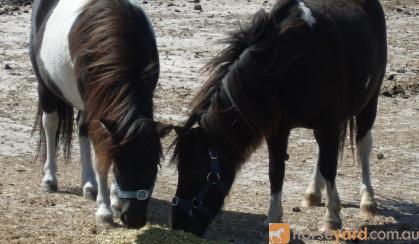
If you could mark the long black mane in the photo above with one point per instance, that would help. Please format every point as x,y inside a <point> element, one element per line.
<point>232,93</point>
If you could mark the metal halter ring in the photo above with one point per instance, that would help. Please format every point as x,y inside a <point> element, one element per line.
<point>209,175</point>
<point>175,201</point>
<point>196,203</point>
<point>212,156</point>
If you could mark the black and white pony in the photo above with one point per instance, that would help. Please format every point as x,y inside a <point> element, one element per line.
<point>317,64</point>
<point>99,57</point>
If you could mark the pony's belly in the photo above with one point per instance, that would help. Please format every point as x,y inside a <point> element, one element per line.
<point>55,53</point>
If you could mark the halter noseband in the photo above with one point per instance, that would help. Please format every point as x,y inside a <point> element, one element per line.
<point>140,195</point>
<point>213,179</point>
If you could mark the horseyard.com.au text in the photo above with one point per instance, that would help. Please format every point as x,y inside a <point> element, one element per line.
<point>280,233</point>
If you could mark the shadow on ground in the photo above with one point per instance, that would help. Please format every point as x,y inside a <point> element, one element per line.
<point>406,216</point>
<point>239,227</point>
<point>228,226</point>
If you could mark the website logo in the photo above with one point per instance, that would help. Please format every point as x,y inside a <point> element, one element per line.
<point>279,233</point>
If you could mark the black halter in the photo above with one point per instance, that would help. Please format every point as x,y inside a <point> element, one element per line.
<point>213,179</point>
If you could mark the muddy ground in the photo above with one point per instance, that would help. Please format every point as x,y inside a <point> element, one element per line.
<point>187,38</point>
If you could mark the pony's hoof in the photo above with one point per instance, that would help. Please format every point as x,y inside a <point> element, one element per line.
<point>368,210</point>
<point>89,192</point>
<point>104,219</point>
<point>116,211</point>
<point>311,200</point>
<point>49,186</point>
<point>329,226</point>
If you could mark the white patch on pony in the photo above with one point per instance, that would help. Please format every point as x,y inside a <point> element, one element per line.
<point>50,124</point>
<point>136,3</point>
<point>364,147</point>
<point>368,82</point>
<point>307,15</point>
<point>275,209</point>
<point>55,53</point>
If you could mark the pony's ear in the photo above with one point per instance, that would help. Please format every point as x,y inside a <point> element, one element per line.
<point>163,129</point>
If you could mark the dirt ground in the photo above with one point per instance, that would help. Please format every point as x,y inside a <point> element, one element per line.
<point>187,38</point>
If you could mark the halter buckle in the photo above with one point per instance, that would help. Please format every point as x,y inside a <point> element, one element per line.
<point>142,195</point>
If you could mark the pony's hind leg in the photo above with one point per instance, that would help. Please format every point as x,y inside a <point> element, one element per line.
<point>364,122</point>
<point>368,205</point>
<point>328,141</point>
<point>50,120</point>
<point>313,194</point>
<point>277,146</point>
<point>50,124</point>
<point>88,180</point>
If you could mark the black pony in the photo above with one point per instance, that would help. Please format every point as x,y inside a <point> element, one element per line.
<point>317,64</point>
<point>101,58</point>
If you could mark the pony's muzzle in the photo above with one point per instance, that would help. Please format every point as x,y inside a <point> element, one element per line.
<point>134,213</point>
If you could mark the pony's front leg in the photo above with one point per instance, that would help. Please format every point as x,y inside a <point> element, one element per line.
<point>368,205</point>
<point>116,203</point>
<point>103,214</point>
<point>50,124</point>
<point>277,147</point>
<point>88,180</point>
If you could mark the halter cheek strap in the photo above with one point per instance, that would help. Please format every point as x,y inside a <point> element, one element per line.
<point>213,179</point>
<point>141,195</point>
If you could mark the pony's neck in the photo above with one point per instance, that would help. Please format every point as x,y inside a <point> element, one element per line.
<point>229,133</point>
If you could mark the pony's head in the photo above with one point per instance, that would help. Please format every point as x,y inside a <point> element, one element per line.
<point>135,157</point>
<point>203,182</point>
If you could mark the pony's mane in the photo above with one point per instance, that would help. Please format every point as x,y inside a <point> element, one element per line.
<point>237,42</point>
<point>115,74</point>
<point>251,55</point>
<point>220,65</point>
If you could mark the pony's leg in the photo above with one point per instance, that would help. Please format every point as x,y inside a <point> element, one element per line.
<point>328,141</point>
<point>103,214</point>
<point>116,203</point>
<point>88,180</point>
<point>277,146</point>
<point>50,124</point>
<point>364,122</point>
<point>368,206</point>
<point>313,194</point>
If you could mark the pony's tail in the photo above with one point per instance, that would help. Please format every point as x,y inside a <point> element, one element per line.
<point>351,124</point>
<point>64,132</point>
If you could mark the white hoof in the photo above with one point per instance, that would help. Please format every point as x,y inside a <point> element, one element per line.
<point>368,208</point>
<point>89,191</point>
<point>104,218</point>
<point>49,184</point>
